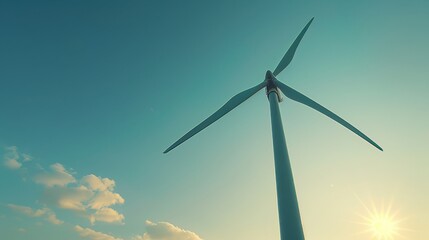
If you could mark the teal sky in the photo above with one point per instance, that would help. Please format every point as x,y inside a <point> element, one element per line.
<point>92,93</point>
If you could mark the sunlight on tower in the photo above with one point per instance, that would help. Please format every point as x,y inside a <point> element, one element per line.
<point>381,222</point>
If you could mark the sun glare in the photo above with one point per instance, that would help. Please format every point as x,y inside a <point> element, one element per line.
<point>382,226</point>
<point>381,223</point>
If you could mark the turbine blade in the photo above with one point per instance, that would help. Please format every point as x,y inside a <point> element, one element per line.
<point>231,104</point>
<point>287,58</point>
<point>299,97</point>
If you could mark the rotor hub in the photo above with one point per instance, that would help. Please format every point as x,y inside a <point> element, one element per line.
<point>271,86</point>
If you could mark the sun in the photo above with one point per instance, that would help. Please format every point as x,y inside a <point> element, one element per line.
<point>381,222</point>
<point>382,225</point>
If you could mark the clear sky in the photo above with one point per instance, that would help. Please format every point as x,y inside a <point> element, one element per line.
<point>92,92</point>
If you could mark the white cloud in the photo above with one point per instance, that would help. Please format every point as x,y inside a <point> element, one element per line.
<point>44,212</point>
<point>11,152</point>
<point>103,192</point>
<point>71,198</point>
<point>27,157</point>
<point>86,199</point>
<point>57,177</point>
<point>93,235</point>
<point>27,210</point>
<point>52,218</point>
<point>12,164</point>
<point>105,199</point>
<point>166,231</point>
<point>81,198</point>
<point>97,183</point>
<point>11,158</point>
<point>108,215</point>
<point>91,196</point>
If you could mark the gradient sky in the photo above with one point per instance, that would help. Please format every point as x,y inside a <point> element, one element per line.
<point>92,92</point>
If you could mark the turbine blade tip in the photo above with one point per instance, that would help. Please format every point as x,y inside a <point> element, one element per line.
<point>166,150</point>
<point>378,147</point>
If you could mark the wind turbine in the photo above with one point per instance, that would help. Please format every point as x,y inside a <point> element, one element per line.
<point>289,217</point>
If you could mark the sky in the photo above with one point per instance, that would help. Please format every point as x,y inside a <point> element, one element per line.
<point>92,93</point>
